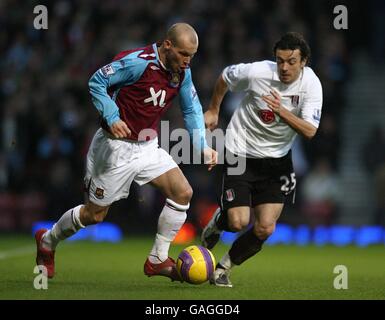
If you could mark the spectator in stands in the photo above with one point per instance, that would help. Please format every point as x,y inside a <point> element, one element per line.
<point>373,159</point>
<point>321,194</point>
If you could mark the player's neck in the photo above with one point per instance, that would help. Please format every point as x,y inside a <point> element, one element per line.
<point>162,57</point>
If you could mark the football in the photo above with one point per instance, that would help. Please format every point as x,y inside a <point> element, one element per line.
<point>195,264</point>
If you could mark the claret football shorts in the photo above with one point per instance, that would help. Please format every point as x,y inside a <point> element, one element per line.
<point>113,164</point>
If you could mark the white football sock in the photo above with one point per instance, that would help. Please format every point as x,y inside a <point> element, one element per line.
<point>226,262</point>
<point>169,223</point>
<point>67,226</point>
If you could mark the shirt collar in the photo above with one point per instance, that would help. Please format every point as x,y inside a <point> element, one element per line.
<point>155,48</point>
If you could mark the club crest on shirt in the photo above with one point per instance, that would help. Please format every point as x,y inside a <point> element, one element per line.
<point>99,193</point>
<point>295,101</point>
<point>267,116</point>
<point>230,195</point>
<point>175,79</point>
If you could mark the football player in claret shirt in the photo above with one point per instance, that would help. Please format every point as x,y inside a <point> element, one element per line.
<point>282,99</point>
<point>131,94</point>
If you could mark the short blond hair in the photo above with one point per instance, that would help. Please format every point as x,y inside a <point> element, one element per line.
<point>179,30</point>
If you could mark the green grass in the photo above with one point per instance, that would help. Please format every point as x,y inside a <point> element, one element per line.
<point>88,270</point>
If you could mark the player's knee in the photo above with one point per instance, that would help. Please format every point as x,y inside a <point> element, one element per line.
<point>236,225</point>
<point>264,231</point>
<point>237,220</point>
<point>184,195</point>
<point>188,193</point>
<point>97,218</point>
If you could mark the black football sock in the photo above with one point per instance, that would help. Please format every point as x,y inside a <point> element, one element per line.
<point>222,221</point>
<point>246,246</point>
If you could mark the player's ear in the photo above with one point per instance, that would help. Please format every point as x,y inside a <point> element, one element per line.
<point>167,44</point>
<point>303,62</point>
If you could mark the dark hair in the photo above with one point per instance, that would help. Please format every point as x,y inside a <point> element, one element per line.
<point>292,41</point>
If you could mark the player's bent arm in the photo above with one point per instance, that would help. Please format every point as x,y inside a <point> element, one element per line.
<point>219,92</point>
<point>118,73</point>
<point>233,78</point>
<point>101,100</point>
<point>301,126</point>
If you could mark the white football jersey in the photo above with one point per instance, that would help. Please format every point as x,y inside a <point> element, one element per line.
<point>254,130</point>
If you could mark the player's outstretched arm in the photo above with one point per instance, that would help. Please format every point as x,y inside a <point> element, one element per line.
<point>212,113</point>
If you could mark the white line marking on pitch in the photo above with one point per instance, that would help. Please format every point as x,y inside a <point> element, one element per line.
<point>21,251</point>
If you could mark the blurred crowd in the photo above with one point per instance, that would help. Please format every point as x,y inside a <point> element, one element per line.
<point>47,119</point>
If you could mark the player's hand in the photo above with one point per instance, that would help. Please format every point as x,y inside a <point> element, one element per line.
<point>273,102</point>
<point>211,119</point>
<point>119,129</point>
<point>210,157</point>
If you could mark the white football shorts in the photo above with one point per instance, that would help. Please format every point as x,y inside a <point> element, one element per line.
<point>112,165</point>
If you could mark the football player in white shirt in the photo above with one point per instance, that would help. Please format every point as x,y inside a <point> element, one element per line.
<point>282,99</point>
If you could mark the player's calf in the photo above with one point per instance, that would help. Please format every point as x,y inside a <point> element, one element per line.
<point>246,246</point>
<point>170,221</point>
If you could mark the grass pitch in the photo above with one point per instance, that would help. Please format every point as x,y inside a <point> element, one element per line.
<point>88,270</point>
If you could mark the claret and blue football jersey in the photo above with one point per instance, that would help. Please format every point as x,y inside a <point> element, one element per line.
<point>136,88</point>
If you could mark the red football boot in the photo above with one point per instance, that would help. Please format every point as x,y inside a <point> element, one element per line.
<point>44,257</point>
<point>167,269</point>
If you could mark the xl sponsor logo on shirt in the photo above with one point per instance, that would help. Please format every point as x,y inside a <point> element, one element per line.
<point>154,97</point>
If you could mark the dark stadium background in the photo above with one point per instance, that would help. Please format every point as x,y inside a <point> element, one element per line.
<point>47,118</point>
